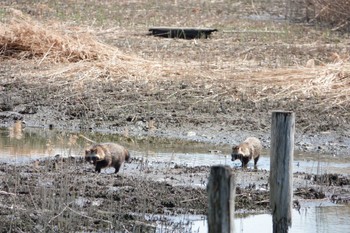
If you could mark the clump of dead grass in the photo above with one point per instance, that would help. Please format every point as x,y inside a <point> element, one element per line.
<point>23,37</point>
<point>329,82</point>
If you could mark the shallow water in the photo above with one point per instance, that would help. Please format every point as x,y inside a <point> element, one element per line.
<point>312,165</point>
<point>37,143</point>
<point>315,219</point>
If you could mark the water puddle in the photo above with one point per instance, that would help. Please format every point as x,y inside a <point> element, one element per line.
<point>308,220</point>
<point>321,219</point>
<point>37,143</point>
<point>32,143</point>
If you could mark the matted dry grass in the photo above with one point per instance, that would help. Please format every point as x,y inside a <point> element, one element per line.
<point>331,80</point>
<point>23,37</point>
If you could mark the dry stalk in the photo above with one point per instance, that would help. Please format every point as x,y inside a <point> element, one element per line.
<point>334,13</point>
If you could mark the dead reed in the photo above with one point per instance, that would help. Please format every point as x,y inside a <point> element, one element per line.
<point>330,81</point>
<point>23,37</point>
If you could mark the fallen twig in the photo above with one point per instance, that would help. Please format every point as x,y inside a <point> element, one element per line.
<point>188,200</point>
<point>7,193</point>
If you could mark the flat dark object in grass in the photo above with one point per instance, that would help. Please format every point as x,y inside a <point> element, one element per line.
<point>183,33</point>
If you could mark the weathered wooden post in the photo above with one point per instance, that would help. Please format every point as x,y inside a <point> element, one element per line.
<point>281,173</point>
<point>221,198</point>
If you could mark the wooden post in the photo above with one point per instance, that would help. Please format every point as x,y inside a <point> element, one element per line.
<point>221,199</point>
<point>281,173</point>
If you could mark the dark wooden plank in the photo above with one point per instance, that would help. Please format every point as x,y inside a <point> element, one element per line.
<point>183,33</point>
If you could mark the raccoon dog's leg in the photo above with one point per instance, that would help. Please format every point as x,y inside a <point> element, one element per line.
<point>117,167</point>
<point>99,165</point>
<point>256,160</point>
<point>98,168</point>
<point>245,161</point>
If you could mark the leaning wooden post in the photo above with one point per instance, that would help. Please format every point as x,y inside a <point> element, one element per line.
<point>221,199</point>
<point>281,173</point>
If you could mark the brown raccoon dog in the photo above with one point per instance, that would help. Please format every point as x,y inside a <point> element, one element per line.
<point>107,155</point>
<point>247,150</point>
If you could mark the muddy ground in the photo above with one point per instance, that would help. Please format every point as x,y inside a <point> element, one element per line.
<point>202,90</point>
<point>64,194</point>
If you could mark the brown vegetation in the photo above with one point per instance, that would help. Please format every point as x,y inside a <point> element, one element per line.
<point>334,13</point>
<point>23,37</point>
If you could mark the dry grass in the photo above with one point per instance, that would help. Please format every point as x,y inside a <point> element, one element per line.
<point>331,80</point>
<point>23,37</point>
<point>334,13</point>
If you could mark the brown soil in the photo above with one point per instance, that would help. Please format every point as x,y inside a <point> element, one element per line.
<point>218,90</point>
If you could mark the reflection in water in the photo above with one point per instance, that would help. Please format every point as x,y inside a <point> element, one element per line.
<point>323,219</point>
<point>327,219</point>
<point>20,145</point>
<point>330,219</point>
<point>16,130</point>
